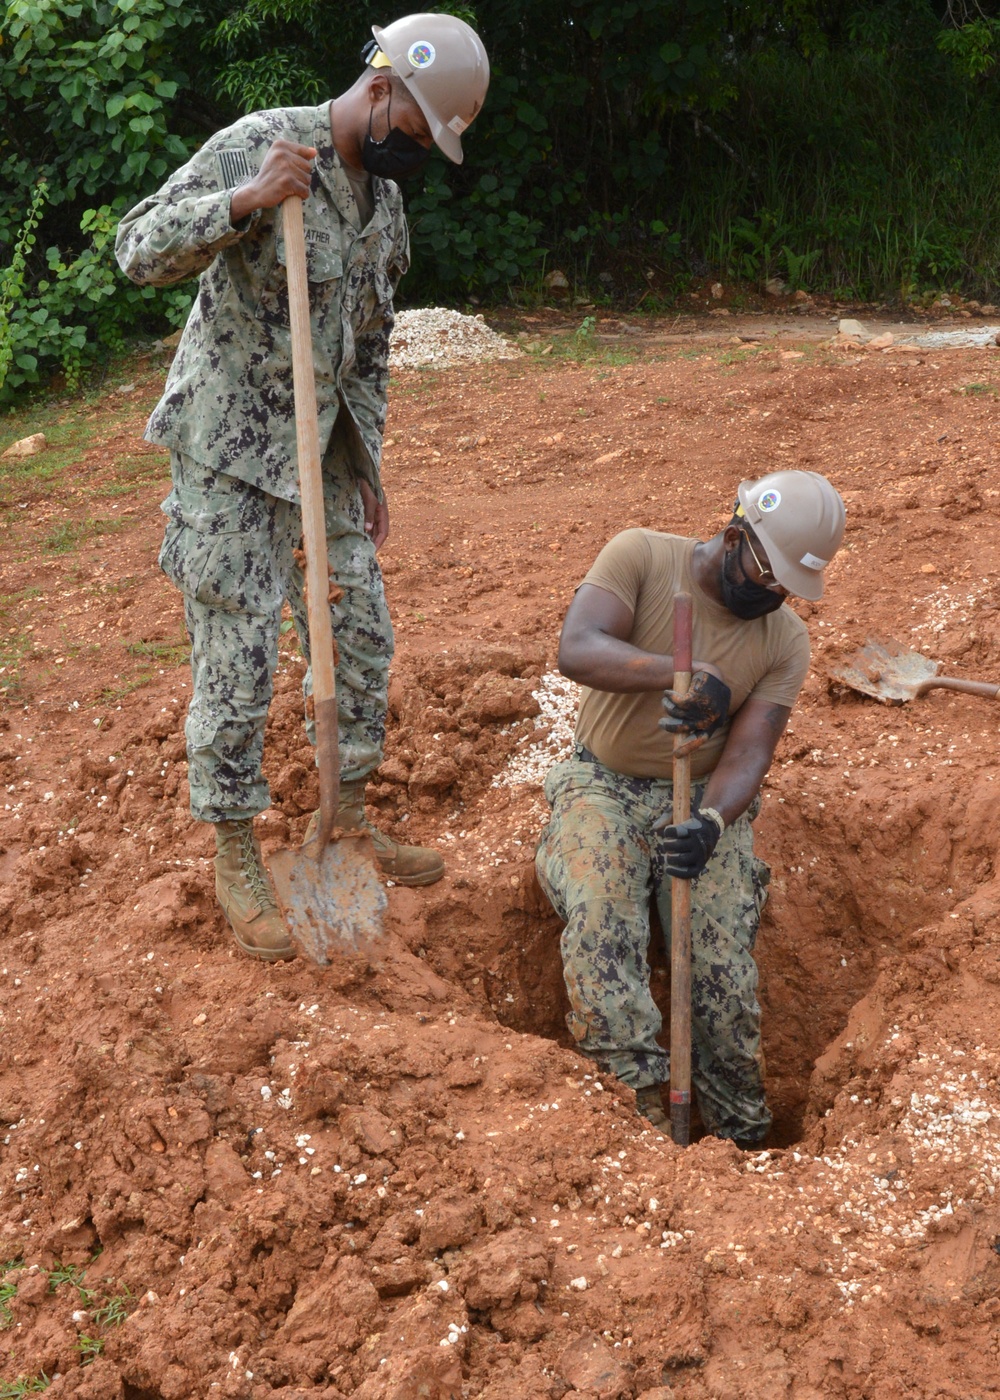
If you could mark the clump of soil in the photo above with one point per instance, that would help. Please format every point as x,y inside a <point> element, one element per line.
<point>395,1177</point>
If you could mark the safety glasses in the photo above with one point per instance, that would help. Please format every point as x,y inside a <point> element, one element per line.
<point>767,578</point>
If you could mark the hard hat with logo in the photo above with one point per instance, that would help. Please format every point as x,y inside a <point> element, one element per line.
<point>799,519</point>
<point>442,61</point>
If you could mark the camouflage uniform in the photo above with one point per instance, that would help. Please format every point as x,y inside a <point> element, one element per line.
<point>600,862</point>
<point>228,548</point>
<point>227,413</point>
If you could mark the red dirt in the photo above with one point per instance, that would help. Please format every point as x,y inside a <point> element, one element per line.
<point>395,1178</point>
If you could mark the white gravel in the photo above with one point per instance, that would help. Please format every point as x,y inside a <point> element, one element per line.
<point>436,337</point>
<point>558,700</point>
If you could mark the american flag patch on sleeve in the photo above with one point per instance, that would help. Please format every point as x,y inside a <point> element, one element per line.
<point>234,167</point>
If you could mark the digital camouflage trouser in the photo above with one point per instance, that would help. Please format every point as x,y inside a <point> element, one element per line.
<point>600,863</point>
<point>229,548</point>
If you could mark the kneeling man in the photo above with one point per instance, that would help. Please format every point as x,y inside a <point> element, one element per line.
<point>610,847</point>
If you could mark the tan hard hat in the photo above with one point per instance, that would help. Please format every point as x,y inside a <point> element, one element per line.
<point>799,519</point>
<point>442,61</point>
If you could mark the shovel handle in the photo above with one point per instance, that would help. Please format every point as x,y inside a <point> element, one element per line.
<point>313,521</point>
<point>984,688</point>
<point>680,901</point>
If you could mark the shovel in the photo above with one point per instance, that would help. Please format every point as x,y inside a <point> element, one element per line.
<point>328,889</point>
<point>680,900</point>
<point>892,673</point>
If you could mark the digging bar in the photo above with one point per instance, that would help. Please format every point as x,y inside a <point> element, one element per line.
<point>680,901</point>
<point>328,890</point>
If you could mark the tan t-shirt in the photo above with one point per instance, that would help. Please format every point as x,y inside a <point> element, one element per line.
<point>766,658</point>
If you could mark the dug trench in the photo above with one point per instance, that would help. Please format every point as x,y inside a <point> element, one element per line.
<point>394,1177</point>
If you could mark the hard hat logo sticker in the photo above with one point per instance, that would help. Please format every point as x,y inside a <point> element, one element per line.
<point>421,55</point>
<point>770,500</point>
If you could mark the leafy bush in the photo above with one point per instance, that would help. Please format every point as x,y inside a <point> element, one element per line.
<point>850,147</point>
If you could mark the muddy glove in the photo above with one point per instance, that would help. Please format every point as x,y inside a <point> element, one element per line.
<point>703,710</point>
<point>689,845</point>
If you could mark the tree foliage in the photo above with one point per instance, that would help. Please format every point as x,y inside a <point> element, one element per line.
<point>846,143</point>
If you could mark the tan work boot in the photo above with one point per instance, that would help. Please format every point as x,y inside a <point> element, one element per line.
<point>404,865</point>
<point>246,894</point>
<point>649,1102</point>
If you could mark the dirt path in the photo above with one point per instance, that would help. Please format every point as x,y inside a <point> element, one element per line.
<point>396,1179</point>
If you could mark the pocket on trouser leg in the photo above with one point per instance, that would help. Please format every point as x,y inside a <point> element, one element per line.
<point>217,547</point>
<point>224,758</point>
<point>215,570</point>
<point>547,870</point>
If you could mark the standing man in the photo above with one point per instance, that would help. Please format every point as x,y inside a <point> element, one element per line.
<point>609,846</point>
<point>234,517</point>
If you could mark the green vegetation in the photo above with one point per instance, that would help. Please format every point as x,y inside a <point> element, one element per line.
<point>89,1348</point>
<point>24,1385</point>
<point>164,653</point>
<point>13,652</point>
<point>73,1275</point>
<point>161,654</point>
<point>114,1311</point>
<point>70,534</point>
<point>8,1290</point>
<point>69,433</point>
<point>848,146</point>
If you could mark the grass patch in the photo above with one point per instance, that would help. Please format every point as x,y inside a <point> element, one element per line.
<point>8,1291</point>
<point>72,428</point>
<point>71,534</point>
<point>24,1385</point>
<point>8,600</point>
<point>586,349</point>
<point>114,1311</point>
<point>89,1348</point>
<point>132,473</point>
<point>114,694</point>
<point>164,654</point>
<point>73,1275</point>
<point>726,358</point>
<point>974,390</point>
<point>14,650</point>
<point>167,653</point>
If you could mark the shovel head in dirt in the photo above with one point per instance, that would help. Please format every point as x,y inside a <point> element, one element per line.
<point>892,673</point>
<point>331,896</point>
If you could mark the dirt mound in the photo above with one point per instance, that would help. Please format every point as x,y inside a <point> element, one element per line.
<point>394,1177</point>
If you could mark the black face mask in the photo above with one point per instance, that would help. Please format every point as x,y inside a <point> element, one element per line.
<point>396,157</point>
<point>743,598</point>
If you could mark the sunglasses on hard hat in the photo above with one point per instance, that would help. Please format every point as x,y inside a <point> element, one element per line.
<point>767,578</point>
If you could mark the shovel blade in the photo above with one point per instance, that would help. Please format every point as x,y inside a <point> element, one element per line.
<point>332,898</point>
<point>887,671</point>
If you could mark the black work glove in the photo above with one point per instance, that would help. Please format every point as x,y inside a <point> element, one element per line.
<point>703,710</point>
<point>689,845</point>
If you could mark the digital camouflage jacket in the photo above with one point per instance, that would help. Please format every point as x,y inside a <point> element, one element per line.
<point>228,399</point>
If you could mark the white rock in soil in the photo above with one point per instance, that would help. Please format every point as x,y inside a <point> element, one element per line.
<point>27,447</point>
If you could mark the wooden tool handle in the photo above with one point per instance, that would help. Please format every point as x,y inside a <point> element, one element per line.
<point>984,688</point>
<point>680,902</point>
<point>313,521</point>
